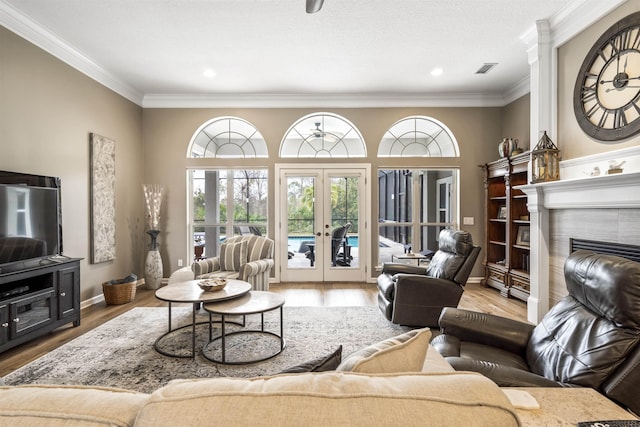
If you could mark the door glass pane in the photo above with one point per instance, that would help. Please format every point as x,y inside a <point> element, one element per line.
<point>301,225</point>
<point>345,198</point>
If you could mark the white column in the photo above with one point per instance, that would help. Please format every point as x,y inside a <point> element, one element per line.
<point>542,112</point>
<point>538,301</point>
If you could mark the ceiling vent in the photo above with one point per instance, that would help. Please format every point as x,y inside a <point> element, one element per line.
<point>486,67</point>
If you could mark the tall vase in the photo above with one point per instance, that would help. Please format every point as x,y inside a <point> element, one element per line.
<point>153,263</point>
<point>505,147</point>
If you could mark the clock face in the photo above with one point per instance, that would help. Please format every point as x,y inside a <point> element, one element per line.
<point>606,97</point>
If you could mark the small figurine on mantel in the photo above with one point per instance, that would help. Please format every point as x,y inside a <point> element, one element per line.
<point>615,166</point>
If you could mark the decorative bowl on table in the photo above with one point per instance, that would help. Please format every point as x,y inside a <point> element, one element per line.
<point>212,285</point>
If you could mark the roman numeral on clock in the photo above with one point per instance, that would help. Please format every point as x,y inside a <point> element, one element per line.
<point>588,93</point>
<point>619,118</point>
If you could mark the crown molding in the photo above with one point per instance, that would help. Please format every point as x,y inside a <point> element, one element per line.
<point>571,20</point>
<point>28,29</point>
<point>342,100</point>
<point>520,89</point>
<point>578,16</point>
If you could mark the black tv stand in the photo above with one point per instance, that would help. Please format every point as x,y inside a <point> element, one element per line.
<point>38,299</point>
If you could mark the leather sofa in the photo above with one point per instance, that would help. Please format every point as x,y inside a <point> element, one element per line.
<point>415,295</point>
<point>591,338</point>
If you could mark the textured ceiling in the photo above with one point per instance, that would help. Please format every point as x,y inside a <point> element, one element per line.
<point>272,47</point>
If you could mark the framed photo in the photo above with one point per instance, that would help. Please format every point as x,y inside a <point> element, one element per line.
<point>523,236</point>
<point>502,212</point>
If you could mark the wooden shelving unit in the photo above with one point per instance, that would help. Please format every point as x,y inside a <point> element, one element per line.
<point>507,227</point>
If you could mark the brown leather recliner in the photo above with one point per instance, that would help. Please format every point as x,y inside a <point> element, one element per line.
<point>414,295</point>
<point>591,338</point>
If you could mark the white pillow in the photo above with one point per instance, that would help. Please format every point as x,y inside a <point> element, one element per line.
<point>403,353</point>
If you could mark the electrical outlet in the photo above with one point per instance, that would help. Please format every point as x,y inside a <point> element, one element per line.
<point>180,263</point>
<point>468,220</point>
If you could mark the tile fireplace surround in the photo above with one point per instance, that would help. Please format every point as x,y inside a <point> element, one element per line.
<point>603,208</point>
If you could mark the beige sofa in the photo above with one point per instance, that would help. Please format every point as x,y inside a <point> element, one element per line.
<point>399,381</point>
<point>309,399</point>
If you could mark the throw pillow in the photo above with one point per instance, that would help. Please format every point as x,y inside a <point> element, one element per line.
<point>325,363</point>
<point>403,353</point>
<point>233,255</point>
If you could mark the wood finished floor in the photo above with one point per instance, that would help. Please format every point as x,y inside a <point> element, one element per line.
<point>475,297</point>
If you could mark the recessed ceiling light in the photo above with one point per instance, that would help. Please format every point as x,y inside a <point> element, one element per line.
<point>437,72</point>
<point>210,73</point>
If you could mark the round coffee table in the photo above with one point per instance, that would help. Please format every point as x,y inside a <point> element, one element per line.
<point>190,292</point>
<point>255,302</point>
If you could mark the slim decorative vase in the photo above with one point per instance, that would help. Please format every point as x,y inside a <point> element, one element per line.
<point>153,263</point>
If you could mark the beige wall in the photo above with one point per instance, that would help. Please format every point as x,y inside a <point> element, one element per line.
<point>571,139</point>
<point>167,133</point>
<point>47,110</point>
<point>516,122</point>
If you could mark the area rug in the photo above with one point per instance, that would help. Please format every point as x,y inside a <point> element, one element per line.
<point>120,353</point>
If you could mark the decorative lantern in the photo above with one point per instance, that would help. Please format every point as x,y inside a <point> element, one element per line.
<point>545,161</point>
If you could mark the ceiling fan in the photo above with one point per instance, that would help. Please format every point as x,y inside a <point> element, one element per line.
<point>318,132</point>
<point>314,6</point>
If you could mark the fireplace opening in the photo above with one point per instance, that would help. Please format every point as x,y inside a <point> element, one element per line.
<point>631,252</point>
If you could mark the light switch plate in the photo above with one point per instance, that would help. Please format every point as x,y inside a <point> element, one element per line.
<point>468,220</point>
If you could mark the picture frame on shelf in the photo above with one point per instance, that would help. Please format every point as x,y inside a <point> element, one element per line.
<point>502,212</point>
<point>524,236</point>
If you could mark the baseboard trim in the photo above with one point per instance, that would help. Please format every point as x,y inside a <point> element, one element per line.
<point>100,298</point>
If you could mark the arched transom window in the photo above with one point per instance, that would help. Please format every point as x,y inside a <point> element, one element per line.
<point>323,135</point>
<point>418,136</point>
<point>227,137</point>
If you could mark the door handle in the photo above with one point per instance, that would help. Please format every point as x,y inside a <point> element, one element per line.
<point>318,234</point>
<point>326,234</point>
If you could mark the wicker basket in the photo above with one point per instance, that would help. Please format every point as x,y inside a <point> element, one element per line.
<point>121,293</point>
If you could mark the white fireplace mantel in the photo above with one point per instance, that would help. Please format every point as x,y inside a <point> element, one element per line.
<point>601,192</point>
<point>607,191</point>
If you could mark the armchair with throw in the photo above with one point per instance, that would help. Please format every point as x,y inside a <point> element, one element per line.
<point>415,295</point>
<point>591,338</point>
<point>248,258</point>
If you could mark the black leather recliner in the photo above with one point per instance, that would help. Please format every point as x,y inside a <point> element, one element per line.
<point>591,338</point>
<point>414,295</point>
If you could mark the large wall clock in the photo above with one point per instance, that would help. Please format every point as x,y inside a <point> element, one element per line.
<point>606,98</point>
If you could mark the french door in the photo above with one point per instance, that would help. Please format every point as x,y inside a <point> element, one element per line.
<point>322,223</point>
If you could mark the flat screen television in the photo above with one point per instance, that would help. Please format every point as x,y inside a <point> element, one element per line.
<point>29,224</point>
